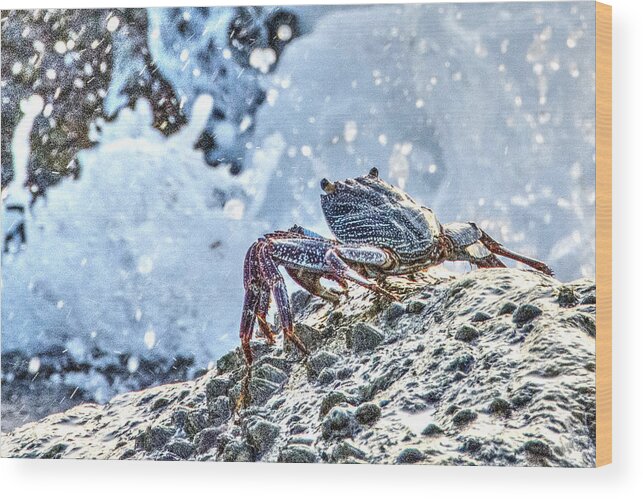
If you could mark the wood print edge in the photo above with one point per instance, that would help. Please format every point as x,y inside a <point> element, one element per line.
<point>603,234</point>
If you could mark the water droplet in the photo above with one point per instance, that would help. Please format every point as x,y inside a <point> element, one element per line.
<point>350,131</point>
<point>149,338</point>
<point>34,365</point>
<point>284,33</point>
<point>145,264</point>
<point>132,364</point>
<point>112,23</point>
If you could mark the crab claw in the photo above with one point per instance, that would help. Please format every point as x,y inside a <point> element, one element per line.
<point>327,186</point>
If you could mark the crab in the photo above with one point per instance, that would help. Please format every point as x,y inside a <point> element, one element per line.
<point>379,231</point>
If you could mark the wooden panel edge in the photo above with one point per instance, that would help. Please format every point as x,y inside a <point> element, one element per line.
<point>603,234</point>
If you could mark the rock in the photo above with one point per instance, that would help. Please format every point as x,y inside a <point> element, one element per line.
<point>410,455</point>
<point>344,452</point>
<point>432,430</point>
<point>298,428</point>
<point>452,409</point>
<point>281,363</point>
<point>298,300</point>
<point>480,317</point>
<point>538,449</point>
<point>431,396</point>
<point>462,363</point>
<point>471,445</point>
<point>339,423</point>
<point>310,337</point>
<point>159,403</point>
<point>219,410</point>
<point>261,390</point>
<point>167,456</point>
<point>230,361</point>
<point>385,378</point>
<point>237,451</point>
<point>297,454</point>
<point>344,373</point>
<point>270,373</point>
<point>467,333</point>
<point>415,307</point>
<point>180,447</point>
<point>262,434</point>
<point>364,337</point>
<point>525,313</point>
<point>55,451</point>
<point>585,322</point>
<point>226,436</point>
<point>566,297</point>
<point>464,417</point>
<point>394,312</point>
<point>326,376</point>
<point>127,454</point>
<point>154,438</point>
<point>368,413</point>
<point>197,420</point>
<point>589,299</point>
<point>322,359</point>
<point>217,387</point>
<point>180,417</point>
<point>300,441</point>
<point>500,407</point>
<point>331,400</point>
<point>206,439</point>
<point>278,403</point>
<point>335,317</point>
<point>507,308</point>
<point>525,395</point>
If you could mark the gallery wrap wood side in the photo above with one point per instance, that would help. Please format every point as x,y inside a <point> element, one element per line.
<point>603,234</point>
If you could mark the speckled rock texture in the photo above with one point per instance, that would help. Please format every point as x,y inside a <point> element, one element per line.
<point>454,379</point>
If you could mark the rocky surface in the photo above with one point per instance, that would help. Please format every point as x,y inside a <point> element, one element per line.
<point>492,367</point>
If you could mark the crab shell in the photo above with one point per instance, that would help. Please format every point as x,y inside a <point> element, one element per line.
<point>368,210</point>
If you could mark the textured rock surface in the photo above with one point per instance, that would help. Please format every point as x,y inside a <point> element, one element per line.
<point>519,393</point>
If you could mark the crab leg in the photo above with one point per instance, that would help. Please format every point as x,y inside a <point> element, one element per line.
<point>251,300</point>
<point>310,282</point>
<point>262,310</point>
<point>334,259</point>
<point>273,278</point>
<point>479,255</point>
<point>474,245</point>
<point>497,248</point>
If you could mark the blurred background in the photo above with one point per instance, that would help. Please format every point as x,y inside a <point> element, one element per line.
<point>143,151</point>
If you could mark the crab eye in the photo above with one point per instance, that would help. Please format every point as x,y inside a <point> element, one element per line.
<point>327,187</point>
<point>374,173</point>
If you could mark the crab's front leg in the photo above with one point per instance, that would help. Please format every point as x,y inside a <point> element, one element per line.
<point>253,293</point>
<point>278,288</point>
<point>261,279</point>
